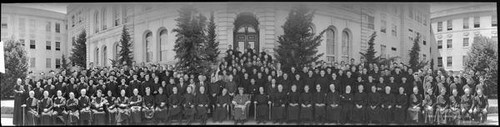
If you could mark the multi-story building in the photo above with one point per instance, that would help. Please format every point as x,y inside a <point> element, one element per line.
<point>41,32</point>
<point>348,26</point>
<point>455,29</point>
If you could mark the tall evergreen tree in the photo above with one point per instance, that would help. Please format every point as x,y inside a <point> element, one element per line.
<point>298,44</point>
<point>16,66</point>
<point>415,62</point>
<point>64,63</point>
<point>79,51</point>
<point>369,55</point>
<point>190,42</point>
<point>125,45</point>
<point>483,57</point>
<point>212,48</point>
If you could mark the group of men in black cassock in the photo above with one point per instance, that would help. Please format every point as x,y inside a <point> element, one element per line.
<point>318,93</point>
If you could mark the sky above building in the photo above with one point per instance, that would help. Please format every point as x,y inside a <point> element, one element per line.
<point>61,7</point>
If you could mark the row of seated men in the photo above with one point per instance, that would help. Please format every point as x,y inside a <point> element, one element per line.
<point>310,106</point>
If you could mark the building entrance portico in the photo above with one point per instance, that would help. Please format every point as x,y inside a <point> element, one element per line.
<point>246,33</point>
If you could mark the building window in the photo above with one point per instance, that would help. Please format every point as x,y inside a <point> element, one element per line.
<point>104,55</point>
<point>466,23</point>
<point>440,62</point>
<point>32,44</point>
<point>73,21</point>
<point>96,21</point>
<point>73,40</point>
<point>466,42</point>
<point>424,42</point>
<point>330,41</point>
<point>464,60</point>
<point>382,51</point>
<point>4,22</point>
<point>58,63</point>
<point>58,46</point>
<point>476,22</point>
<point>440,44</point>
<point>48,63</point>
<point>124,14</point>
<point>117,51</point>
<point>424,57</point>
<point>163,44</point>
<point>410,34</point>
<point>449,25</point>
<point>394,49</point>
<point>449,43</point>
<point>149,52</point>
<point>346,40</point>
<point>394,30</point>
<point>80,17</point>
<point>58,28</point>
<point>104,19</point>
<point>383,26</point>
<point>494,21</point>
<point>21,41</point>
<point>48,46</point>
<point>440,26</point>
<point>22,25</point>
<point>116,16</point>
<point>32,62</point>
<point>97,57</point>
<point>410,12</point>
<point>371,22</point>
<point>48,27</point>
<point>449,61</point>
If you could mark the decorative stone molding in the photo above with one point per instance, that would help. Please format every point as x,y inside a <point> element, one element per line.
<point>440,36</point>
<point>476,32</point>
<point>449,35</point>
<point>466,33</point>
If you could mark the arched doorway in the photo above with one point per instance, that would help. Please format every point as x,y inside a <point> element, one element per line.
<point>246,32</point>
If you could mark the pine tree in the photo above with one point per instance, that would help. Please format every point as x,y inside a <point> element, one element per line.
<point>483,57</point>
<point>64,63</point>
<point>212,48</point>
<point>16,66</point>
<point>369,55</point>
<point>125,45</point>
<point>415,62</point>
<point>189,45</point>
<point>298,44</point>
<point>79,51</point>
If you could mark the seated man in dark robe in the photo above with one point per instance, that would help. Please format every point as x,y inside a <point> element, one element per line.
<point>262,100</point>
<point>414,109</point>
<point>59,115</point>
<point>111,108</point>
<point>279,103</point>
<point>161,106</point>
<point>84,105</point>
<point>400,106</point>
<point>319,104</point>
<point>98,112</point>
<point>175,103</point>
<point>148,106</point>
<point>480,102</point>
<point>347,105</point>
<point>135,107</point>
<point>202,101</point>
<point>360,104</point>
<point>293,104</point>
<point>32,110</point>
<point>387,106</point>
<point>188,105</point>
<point>123,116</point>
<point>333,105</point>
<point>222,106</point>
<point>306,113</point>
<point>46,106</point>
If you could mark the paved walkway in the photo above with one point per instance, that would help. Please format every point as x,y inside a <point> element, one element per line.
<point>492,120</point>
